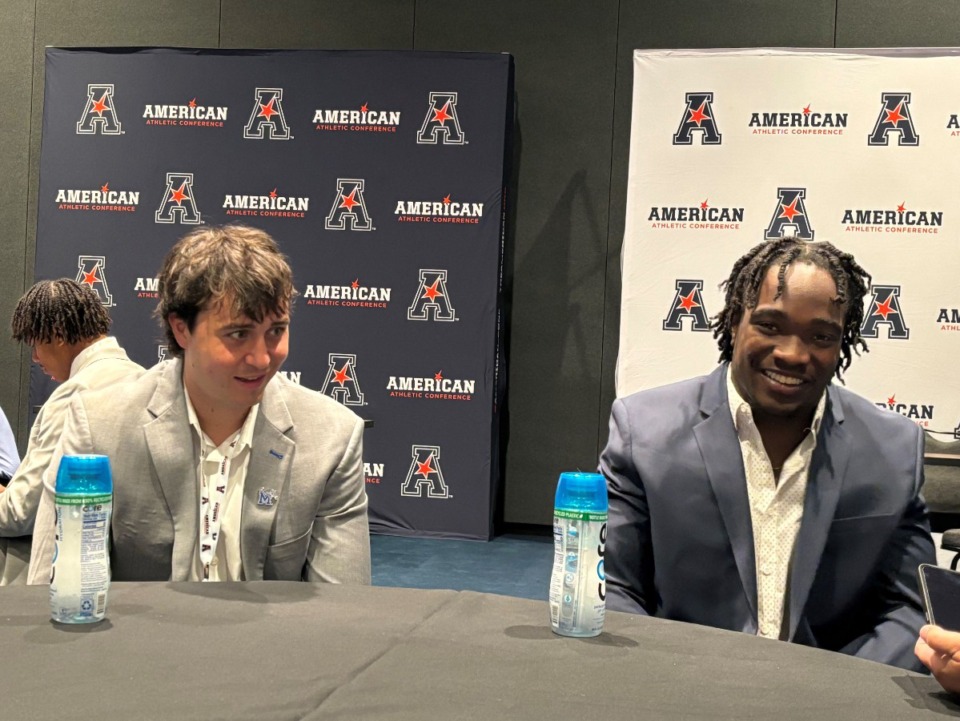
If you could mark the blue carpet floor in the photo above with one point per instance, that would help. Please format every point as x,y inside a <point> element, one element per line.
<point>510,565</point>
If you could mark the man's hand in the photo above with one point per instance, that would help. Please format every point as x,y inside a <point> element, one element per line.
<point>939,650</point>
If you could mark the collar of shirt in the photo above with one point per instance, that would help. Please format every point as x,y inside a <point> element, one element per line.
<point>84,356</point>
<point>740,409</point>
<point>228,449</point>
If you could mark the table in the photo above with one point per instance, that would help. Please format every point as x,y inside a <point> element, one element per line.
<point>272,650</point>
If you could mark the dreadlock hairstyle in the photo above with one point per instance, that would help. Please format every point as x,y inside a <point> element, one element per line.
<point>59,310</point>
<point>743,287</point>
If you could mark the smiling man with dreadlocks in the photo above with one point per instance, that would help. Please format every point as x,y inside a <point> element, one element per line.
<point>66,326</point>
<point>763,498</point>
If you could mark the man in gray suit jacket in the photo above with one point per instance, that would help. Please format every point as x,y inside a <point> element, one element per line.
<point>761,498</point>
<point>222,469</point>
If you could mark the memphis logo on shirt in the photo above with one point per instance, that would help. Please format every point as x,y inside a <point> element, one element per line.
<point>687,303</point>
<point>267,119</point>
<point>919,413</point>
<point>425,474</point>
<point>441,123</point>
<point>894,119</point>
<point>341,381</point>
<point>790,216</point>
<point>884,311</point>
<point>99,114</point>
<point>178,203</point>
<point>91,272</point>
<point>432,299</point>
<point>349,208</point>
<point>698,118</point>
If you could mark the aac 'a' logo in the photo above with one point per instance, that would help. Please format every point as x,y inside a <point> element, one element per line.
<point>99,113</point>
<point>267,114</point>
<point>432,298</point>
<point>885,310</point>
<point>178,203</point>
<point>687,303</point>
<point>441,123</point>
<point>894,118</point>
<point>425,473</point>
<point>698,117</point>
<point>349,209</point>
<point>91,272</point>
<point>341,382</point>
<point>790,216</point>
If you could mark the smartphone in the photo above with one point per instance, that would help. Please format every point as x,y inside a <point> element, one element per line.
<point>940,588</point>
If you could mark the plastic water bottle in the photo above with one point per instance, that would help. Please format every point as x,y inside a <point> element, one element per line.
<point>80,575</point>
<point>577,586</point>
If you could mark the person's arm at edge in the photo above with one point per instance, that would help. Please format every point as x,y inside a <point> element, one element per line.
<point>939,650</point>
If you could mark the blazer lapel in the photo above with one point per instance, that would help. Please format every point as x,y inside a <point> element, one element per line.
<point>167,436</point>
<point>827,469</point>
<point>720,448</point>
<point>271,455</point>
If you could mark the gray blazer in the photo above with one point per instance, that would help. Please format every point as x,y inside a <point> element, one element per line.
<point>307,450</point>
<point>680,541</point>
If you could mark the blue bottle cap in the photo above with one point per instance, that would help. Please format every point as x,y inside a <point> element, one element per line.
<point>582,491</point>
<point>84,474</point>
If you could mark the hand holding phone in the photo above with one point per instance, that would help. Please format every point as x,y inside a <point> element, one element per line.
<point>940,588</point>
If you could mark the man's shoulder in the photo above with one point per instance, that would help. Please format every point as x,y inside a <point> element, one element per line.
<point>858,412</point>
<point>128,393</point>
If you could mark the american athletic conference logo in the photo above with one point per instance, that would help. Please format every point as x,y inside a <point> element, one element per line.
<point>99,113</point>
<point>432,301</point>
<point>349,209</point>
<point>884,310</point>
<point>267,115</point>
<point>919,413</point>
<point>178,203</point>
<point>91,272</point>
<point>442,110</point>
<point>687,303</point>
<point>894,117</point>
<point>698,117</point>
<point>341,382</point>
<point>790,216</point>
<point>425,474</point>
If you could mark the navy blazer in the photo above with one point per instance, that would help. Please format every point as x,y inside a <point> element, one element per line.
<point>680,539</point>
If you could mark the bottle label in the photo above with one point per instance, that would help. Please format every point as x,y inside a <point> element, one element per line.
<point>80,572</point>
<point>578,584</point>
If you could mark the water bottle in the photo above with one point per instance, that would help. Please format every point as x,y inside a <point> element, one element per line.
<point>80,573</point>
<point>577,588</point>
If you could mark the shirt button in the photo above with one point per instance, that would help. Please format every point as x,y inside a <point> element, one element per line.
<point>766,569</point>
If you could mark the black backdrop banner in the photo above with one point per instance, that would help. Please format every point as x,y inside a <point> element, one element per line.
<point>381,175</point>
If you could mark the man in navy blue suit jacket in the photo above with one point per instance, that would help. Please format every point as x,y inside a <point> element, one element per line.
<point>762,498</point>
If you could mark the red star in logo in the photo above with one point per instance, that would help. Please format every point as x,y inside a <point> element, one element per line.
<point>178,195</point>
<point>363,108</point>
<point>446,199</point>
<point>902,207</point>
<point>698,116</point>
<point>442,116</point>
<point>687,302</point>
<point>355,283</point>
<point>267,111</point>
<point>806,110</point>
<point>193,103</point>
<point>99,106</point>
<point>790,211</point>
<point>703,205</point>
<point>425,469</point>
<point>892,399</point>
<point>438,376</point>
<point>884,308</point>
<point>273,193</point>
<point>431,291</point>
<point>895,116</point>
<point>91,277</point>
<point>349,201</point>
<point>340,376</point>
<point>105,187</point>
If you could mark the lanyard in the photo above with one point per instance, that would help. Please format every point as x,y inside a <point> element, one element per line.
<point>211,507</point>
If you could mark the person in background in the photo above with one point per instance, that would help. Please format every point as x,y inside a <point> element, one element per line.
<point>223,470</point>
<point>66,326</point>
<point>762,497</point>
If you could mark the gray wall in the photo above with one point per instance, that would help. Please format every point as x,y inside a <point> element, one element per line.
<point>573,81</point>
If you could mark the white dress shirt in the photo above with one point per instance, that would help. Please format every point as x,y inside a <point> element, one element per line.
<point>776,510</point>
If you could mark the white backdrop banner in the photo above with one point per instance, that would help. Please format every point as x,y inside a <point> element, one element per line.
<point>859,148</point>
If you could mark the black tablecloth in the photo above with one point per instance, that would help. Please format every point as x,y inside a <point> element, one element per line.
<point>301,651</point>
